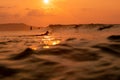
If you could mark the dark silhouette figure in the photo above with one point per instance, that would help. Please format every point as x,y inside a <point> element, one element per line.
<point>46,33</point>
<point>31,28</point>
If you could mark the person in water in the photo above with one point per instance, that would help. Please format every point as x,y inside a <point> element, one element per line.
<point>31,28</point>
<point>46,33</point>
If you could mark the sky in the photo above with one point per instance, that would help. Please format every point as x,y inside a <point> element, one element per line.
<point>45,12</point>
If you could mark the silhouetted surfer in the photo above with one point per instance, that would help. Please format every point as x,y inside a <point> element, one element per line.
<point>31,28</point>
<point>46,33</point>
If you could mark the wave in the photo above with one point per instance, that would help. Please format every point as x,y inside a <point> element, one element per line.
<point>96,27</point>
<point>65,62</point>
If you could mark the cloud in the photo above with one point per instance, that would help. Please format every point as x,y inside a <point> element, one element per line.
<point>35,12</point>
<point>8,15</point>
<point>4,15</point>
<point>3,7</point>
<point>28,9</point>
<point>87,9</point>
<point>39,12</point>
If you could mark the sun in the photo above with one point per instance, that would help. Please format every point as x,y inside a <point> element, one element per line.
<point>46,1</point>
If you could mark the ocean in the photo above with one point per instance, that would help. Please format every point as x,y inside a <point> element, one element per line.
<point>82,52</point>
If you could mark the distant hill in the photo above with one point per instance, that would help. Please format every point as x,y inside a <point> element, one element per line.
<point>14,27</point>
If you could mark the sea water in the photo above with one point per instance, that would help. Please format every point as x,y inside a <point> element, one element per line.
<point>68,53</point>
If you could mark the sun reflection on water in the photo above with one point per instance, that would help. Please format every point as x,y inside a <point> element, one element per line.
<point>45,43</point>
<point>45,47</point>
<point>33,47</point>
<point>50,41</point>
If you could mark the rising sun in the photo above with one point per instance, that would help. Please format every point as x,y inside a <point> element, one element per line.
<point>46,1</point>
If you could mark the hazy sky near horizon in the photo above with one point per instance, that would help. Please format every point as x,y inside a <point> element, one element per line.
<point>44,12</point>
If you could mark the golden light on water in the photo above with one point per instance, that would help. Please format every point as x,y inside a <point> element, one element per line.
<point>55,42</point>
<point>46,47</point>
<point>50,41</point>
<point>47,42</point>
<point>33,47</point>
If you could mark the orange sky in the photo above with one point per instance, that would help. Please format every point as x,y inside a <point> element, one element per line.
<point>38,13</point>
